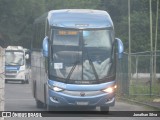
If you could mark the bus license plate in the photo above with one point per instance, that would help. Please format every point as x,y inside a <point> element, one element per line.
<point>82,103</point>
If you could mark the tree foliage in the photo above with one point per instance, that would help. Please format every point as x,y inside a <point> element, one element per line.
<point>17,17</point>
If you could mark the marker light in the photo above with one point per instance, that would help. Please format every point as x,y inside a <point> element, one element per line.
<point>108,90</point>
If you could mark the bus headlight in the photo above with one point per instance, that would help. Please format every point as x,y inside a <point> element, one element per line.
<point>110,89</point>
<point>55,88</point>
<point>22,68</point>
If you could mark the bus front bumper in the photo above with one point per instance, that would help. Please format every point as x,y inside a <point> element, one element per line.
<point>15,78</point>
<point>61,99</point>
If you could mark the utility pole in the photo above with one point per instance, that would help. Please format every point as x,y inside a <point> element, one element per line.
<point>129,39</point>
<point>155,48</point>
<point>151,43</point>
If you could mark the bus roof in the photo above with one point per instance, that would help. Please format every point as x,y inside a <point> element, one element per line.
<point>79,18</point>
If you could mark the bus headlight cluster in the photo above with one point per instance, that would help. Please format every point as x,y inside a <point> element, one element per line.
<point>110,89</point>
<point>22,68</point>
<point>55,88</point>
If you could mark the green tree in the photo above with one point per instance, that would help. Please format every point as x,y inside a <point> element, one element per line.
<point>72,4</point>
<point>17,17</point>
<point>16,20</point>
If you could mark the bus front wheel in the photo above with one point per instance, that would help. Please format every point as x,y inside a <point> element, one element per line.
<point>49,108</point>
<point>39,104</point>
<point>27,81</point>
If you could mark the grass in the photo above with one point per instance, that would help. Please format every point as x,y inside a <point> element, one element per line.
<point>145,92</point>
<point>142,91</point>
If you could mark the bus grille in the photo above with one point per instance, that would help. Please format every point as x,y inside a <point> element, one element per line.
<point>11,72</point>
<point>10,76</point>
<point>78,93</point>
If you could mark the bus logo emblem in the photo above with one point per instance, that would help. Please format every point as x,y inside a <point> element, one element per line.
<point>82,94</point>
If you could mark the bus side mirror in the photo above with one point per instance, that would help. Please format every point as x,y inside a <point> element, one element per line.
<point>26,56</point>
<point>45,47</point>
<point>120,48</point>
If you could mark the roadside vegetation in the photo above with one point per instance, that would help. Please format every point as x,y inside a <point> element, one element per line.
<point>17,17</point>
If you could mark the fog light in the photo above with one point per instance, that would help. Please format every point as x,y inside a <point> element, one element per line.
<point>54,98</point>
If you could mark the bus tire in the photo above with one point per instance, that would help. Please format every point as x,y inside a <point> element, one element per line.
<point>6,81</point>
<point>104,108</point>
<point>27,81</point>
<point>34,91</point>
<point>45,97</point>
<point>39,104</point>
<point>23,81</point>
<point>48,107</point>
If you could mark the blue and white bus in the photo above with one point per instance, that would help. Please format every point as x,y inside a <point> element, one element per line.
<point>73,59</point>
<point>16,64</point>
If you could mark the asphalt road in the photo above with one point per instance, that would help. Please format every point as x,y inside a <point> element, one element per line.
<point>18,97</point>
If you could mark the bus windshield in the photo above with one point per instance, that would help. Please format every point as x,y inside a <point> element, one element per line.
<point>14,58</point>
<point>81,55</point>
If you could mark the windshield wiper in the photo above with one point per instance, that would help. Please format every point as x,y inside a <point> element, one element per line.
<point>71,71</point>
<point>93,67</point>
